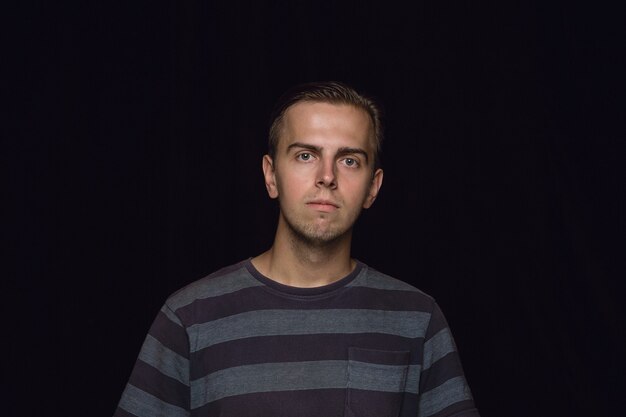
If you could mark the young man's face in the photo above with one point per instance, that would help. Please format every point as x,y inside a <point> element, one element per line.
<point>322,172</point>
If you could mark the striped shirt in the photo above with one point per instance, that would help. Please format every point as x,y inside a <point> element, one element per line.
<point>239,344</point>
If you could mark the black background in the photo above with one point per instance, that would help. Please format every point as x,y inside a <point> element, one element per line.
<point>132,149</point>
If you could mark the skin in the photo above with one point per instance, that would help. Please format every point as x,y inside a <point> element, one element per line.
<point>322,176</point>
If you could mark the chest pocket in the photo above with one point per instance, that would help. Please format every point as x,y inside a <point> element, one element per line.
<point>376,382</point>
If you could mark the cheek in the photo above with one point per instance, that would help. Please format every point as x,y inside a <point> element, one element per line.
<point>356,192</point>
<point>289,189</point>
<point>296,179</point>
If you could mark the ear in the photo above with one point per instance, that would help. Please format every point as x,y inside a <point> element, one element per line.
<point>270,176</point>
<point>374,187</point>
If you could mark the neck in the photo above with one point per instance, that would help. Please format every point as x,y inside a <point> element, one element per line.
<point>296,262</point>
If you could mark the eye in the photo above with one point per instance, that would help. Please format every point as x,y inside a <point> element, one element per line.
<point>304,156</point>
<point>351,162</point>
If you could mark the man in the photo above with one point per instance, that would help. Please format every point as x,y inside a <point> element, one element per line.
<point>303,329</point>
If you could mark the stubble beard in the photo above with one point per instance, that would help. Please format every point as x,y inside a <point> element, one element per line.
<point>313,235</point>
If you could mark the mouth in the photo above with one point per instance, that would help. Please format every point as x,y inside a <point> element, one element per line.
<point>323,205</point>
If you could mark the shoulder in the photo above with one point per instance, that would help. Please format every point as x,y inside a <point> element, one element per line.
<point>224,281</point>
<point>373,279</point>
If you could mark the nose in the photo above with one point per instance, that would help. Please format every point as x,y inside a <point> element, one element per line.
<point>326,175</point>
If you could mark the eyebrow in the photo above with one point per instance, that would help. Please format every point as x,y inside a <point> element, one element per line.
<point>341,151</point>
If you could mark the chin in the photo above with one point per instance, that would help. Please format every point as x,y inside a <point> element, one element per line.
<point>317,237</point>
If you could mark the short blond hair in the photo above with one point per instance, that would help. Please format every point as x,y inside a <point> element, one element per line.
<point>332,92</point>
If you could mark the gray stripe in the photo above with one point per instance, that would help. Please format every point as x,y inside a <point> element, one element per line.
<point>213,287</point>
<point>293,376</point>
<point>388,378</point>
<point>290,376</point>
<point>142,404</point>
<point>452,391</point>
<point>376,280</point>
<point>410,324</point>
<point>413,379</point>
<point>437,347</point>
<point>167,361</point>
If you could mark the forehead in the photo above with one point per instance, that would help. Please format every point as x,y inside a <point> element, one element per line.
<point>327,121</point>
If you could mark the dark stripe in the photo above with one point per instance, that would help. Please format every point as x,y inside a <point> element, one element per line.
<point>296,348</point>
<point>119,412</point>
<point>252,299</point>
<point>386,356</point>
<point>170,334</point>
<point>372,403</point>
<point>410,408</point>
<point>142,404</point>
<point>445,368</point>
<point>373,298</point>
<point>323,291</point>
<point>313,403</point>
<point>316,403</point>
<point>410,404</point>
<point>169,313</point>
<point>410,324</point>
<point>153,382</point>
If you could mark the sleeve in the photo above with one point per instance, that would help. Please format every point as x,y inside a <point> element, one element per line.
<point>159,383</point>
<point>444,392</point>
